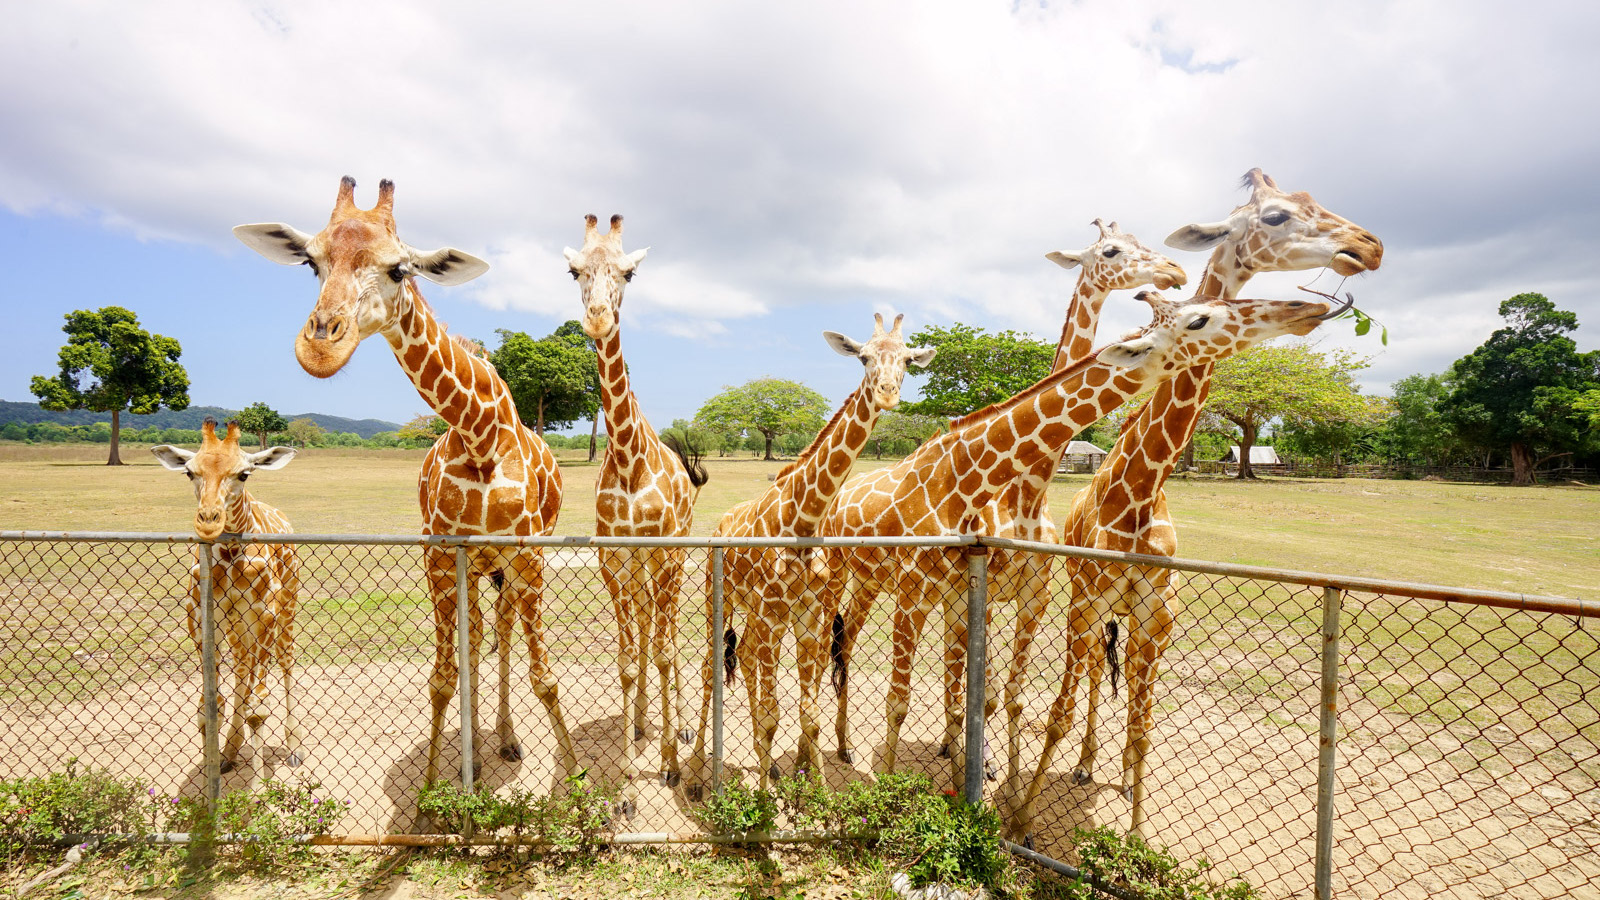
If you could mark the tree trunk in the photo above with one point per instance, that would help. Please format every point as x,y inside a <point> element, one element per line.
<point>594,435</point>
<point>1188,456</point>
<point>769,457</point>
<point>1247,440</point>
<point>540,429</point>
<point>116,438</point>
<point>1522,465</point>
<point>263,436</point>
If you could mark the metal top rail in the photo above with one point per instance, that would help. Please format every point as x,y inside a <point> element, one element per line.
<point>1571,606</point>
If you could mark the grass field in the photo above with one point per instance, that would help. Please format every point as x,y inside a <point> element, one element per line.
<point>1532,540</point>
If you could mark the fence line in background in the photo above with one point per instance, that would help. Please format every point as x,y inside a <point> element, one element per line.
<point>1333,591</point>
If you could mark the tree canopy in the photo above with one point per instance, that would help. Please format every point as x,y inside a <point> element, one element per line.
<point>302,432</point>
<point>766,406</point>
<point>902,431</point>
<point>555,380</point>
<point>1294,382</point>
<point>110,364</point>
<point>422,430</point>
<point>260,420</point>
<point>974,369</point>
<point>1524,389</point>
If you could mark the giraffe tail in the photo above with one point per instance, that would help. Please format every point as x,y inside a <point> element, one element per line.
<point>841,663</point>
<point>1111,656</point>
<point>690,455</point>
<point>730,657</point>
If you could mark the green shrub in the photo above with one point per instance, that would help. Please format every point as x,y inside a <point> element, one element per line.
<point>36,812</point>
<point>1136,867</point>
<point>735,809</point>
<point>579,819</point>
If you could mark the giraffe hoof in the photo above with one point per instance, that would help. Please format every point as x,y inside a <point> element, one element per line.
<point>944,751</point>
<point>511,752</point>
<point>671,779</point>
<point>686,736</point>
<point>774,772</point>
<point>295,759</point>
<point>638,734</point>
<point>1127,793</point>
<point>1027,840</point>
<point>228,766</point>
<point>847,757</point>
<point>1080,776</point>
<point>694,792</point>
<point>991,774</point>
<point>627,809</point>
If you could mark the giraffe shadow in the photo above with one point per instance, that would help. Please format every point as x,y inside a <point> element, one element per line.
<point>1064,807</point>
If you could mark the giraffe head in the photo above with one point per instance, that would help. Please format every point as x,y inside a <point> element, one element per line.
<point>601,269</point>
<point>218,471</point>
<point>363,268</point>
<point>886,357</point>
<point>1117,261</point>
<point>1275,231</point>
<point>1202,331</point>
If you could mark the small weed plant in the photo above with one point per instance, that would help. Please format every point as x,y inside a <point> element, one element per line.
<point>1129,863</point>
<point>577,820</point>
<point>37,812</point>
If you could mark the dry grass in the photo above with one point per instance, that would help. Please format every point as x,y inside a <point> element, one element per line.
<point>1534,540</point>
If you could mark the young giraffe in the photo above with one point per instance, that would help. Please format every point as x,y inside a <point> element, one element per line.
<point>643,490</point>
<point>777,588</point>
<point>1115,261</point>
<point>1125,508</point>
<point>487,474</point>
<point>942,489</point>
<point>254,587</point>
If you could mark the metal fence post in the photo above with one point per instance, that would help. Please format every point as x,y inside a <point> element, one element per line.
<point>716,669</point>
<point>208,682</point>
<point>977,663</point>
<point>1332,598</point>
<point>464,666</point>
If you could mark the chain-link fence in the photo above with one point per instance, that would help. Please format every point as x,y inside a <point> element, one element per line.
<point>1391,740</point>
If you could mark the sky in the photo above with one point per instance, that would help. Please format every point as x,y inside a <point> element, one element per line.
<point>793,168</point>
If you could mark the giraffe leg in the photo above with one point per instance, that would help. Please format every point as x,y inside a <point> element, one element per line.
<point>441,572</point>
<point>810,635</point>
<point>529,586</point>
<point>853,620</point>
<point>1083,772</point>
<point>191,620</point>
<point>618,571</point>
<point>763,635</point>
<point>701,763</point>
<point>953,745</point>
<point>1147,640</point>
<point>1084,617</point>
<point>287,606</point>
<point>505,626</point>
<point>664,652</point>
<point>1031,607</point>
<point>910,615</point>
<point>240,632</point>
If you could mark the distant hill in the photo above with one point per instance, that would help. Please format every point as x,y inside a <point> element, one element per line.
<point>28,413</point>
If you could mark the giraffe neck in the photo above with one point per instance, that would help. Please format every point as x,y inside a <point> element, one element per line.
<point>460,387</point>
<point>627,433</point>
<point>816,477</point>
<point>236,513</point>
<point>1083,318</point>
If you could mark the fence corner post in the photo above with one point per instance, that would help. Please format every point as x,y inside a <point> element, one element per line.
<point>205,828</point>
<point>1328,733</point>
<point>717,663</point>
<point>465,675</point>
<point>977,664</point>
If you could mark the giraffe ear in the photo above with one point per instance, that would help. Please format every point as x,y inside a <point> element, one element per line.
<point>1064,259</point>
<point>637,257</point>
<point>283,244</point>
<point>448,266</point>
<point>1127,354</point>
<point>271,458</point>
<point>1201,237</point>
<point>174,458</point>
<point>923,356</point>
<point>841,344</point>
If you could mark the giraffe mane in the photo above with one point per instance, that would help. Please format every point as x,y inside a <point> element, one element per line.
<point>1000,407</point>
<point>472,346</point>
<point>816,442</point>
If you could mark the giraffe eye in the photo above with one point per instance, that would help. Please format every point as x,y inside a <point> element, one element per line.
<point>1276,217</point>
<point>627,276</point>
<point>243,476</point>
<point>1198,324</point>
<point>574,274</point>
<point>1111,252</point>
<point>399,272</point>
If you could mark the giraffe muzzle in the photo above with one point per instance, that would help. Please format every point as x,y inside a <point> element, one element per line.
<point>326,343</point>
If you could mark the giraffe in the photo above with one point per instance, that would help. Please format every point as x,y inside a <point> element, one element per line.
<point>777,588</point>
<point>1125,508</point>
<point>1116,260</point>
<point>487,474</point>
<point>943,488</point>
<point>255,587</point>
<point>643,490</point>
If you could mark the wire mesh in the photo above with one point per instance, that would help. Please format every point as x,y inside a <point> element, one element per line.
<point>1467,759</point>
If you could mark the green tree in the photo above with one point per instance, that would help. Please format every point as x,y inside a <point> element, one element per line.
<point>1524,388</point>
<point>692,437</point>
<point>422,431</point>
<point>260,420</point>
<point>1293,382</point>
<point>974,369</point>
<point>896,430</point>
<point>554,380</point>
<point>303,432</point>
<point>110,364</point>
<point>768,407</point>
<point>1416,430</point>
